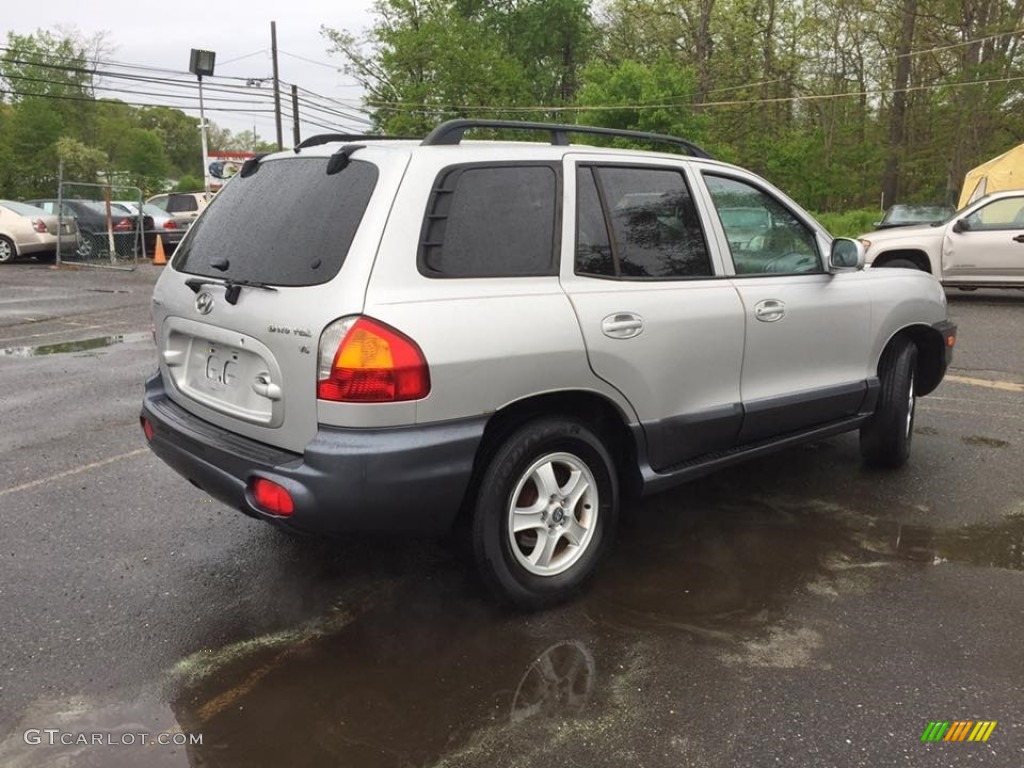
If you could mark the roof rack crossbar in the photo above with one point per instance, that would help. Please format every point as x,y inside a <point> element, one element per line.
<point>452,131</point>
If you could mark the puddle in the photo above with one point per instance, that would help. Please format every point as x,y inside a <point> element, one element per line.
<point>437,675</point>
<point>697,593</point>
<point>408,684</point>
<point>83,345</point>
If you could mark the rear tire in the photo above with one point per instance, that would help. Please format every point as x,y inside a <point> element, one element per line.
<point>885,439</point>
<point>546,509</point>
<point>87,248</point>
<point>7,250</point>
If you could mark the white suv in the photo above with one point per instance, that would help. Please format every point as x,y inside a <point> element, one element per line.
<point>389,335</point>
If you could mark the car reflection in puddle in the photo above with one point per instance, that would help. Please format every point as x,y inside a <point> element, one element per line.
<point>436,675</point>
<point>406,684</point>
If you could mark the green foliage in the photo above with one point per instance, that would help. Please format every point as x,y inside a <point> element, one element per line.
<point>807,94</point>
<point>48,114</point>
<point>81,162</point>
<point>849,223</point>
<point>144,160</point>
<point>188,184</point>
<point>429,61</point>
<point>645,97</point>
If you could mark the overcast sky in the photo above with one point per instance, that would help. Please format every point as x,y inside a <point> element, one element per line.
<point>163,34</point>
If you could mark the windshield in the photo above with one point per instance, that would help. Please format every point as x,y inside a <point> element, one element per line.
<point>289,223</point>
<point>918,214</point>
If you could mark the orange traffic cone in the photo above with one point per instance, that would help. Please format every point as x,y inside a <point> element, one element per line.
<point>159,259</point>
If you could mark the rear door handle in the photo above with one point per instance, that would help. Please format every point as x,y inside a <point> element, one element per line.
<point>769,310</point>
<point>622,325</point>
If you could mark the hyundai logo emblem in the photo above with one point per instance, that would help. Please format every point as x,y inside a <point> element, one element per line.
<point>204,303</point>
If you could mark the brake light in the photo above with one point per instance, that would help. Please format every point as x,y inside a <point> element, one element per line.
<point>271,497</point>
<point>170,224</point>
<point>123,225</point>
<point>366,361</point>
<point>39,225</point>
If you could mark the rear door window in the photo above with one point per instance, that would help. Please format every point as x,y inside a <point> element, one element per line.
<point>288,224</point>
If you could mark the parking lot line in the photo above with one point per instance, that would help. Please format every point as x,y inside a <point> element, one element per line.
<point>69,472</point>
<point>1006,386</point>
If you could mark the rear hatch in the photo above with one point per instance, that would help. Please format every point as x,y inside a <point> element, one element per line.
<point>280,253</point>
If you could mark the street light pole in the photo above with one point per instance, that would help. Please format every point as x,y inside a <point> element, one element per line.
<point>201,63</point>
<point>202,131</point>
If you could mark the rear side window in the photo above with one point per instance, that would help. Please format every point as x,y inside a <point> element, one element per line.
<point>289,223</point>
<point>638,223</point>
<point>491,221</point>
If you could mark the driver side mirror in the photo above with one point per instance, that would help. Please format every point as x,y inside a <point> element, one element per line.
<point>961,225</point>
<point>846,255</point>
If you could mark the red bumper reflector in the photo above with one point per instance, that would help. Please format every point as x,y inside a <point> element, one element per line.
<point>271,497</point>
<point>147,428</point>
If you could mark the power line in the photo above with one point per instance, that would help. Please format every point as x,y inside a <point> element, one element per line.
<point>118,101</point>
<point>434,108</point>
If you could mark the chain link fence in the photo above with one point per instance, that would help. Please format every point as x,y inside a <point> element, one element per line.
<point>110,234</point>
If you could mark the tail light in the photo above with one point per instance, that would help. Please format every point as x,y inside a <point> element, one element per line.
<point>124,225</point>
<point>147,428</point>
<point>170,224</point>
<point>39,225</point>
<point>366,361</point>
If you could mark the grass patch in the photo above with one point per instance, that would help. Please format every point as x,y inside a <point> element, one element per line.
<point>849,223</point>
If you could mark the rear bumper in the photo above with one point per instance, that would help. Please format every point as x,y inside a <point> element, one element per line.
<point>408,479</point>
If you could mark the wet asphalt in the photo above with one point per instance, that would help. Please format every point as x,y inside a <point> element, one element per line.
<point>797,610</point>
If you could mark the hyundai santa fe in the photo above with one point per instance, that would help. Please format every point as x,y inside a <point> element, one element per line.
<point>365,334</point>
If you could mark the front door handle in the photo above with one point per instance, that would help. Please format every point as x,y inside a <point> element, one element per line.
<point>1019,238</point>
<point>622,325</point>
<point>769,310</point>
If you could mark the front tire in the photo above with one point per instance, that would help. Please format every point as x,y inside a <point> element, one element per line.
<point>886,437</point>
<point>546,509</point>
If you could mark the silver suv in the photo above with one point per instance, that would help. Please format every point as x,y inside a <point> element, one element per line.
<point>390,335</point>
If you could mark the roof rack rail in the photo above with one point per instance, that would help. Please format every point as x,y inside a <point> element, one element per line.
<point>327,138</point>
<point>451,132</point>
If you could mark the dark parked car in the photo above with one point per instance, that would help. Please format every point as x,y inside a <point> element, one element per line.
<point>92,223</point>
<point>914,215</point>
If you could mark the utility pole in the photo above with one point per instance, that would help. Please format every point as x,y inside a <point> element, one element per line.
<point>277,84</point>
<point>295,115</point>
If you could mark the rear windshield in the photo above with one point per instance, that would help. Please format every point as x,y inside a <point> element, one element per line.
<point>289,223</point>
<point>21,208</point>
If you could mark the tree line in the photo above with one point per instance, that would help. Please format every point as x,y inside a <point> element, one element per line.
<point>846,104</point>
<point>843,103</point>
<point>51,117</point>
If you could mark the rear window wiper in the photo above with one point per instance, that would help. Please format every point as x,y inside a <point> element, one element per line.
<point>232,286</point>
